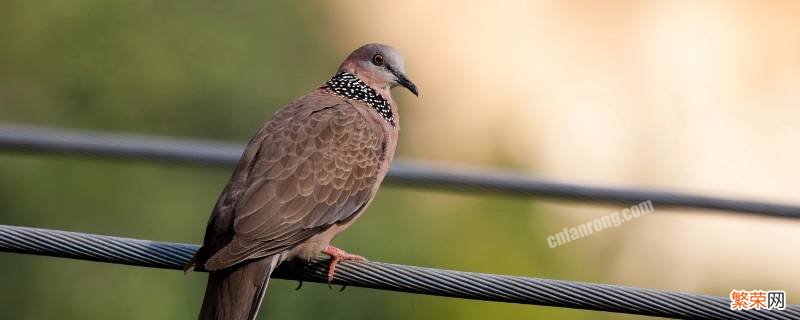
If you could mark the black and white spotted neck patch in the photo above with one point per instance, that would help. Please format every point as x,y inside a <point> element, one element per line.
<point>350,86</point>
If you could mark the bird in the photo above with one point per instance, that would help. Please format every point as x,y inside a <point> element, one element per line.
<point>306,175</point>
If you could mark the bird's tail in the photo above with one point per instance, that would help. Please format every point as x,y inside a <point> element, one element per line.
<point>235,293</point>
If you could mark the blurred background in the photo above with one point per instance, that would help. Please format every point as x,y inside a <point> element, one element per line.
<point>694,96</point>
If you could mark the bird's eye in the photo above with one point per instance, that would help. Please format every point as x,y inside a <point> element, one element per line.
<point>377,59</point>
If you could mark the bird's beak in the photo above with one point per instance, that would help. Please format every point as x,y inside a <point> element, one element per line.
<point>403,81</point>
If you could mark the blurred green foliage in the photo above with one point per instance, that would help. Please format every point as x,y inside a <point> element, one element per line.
<point>216,70</point>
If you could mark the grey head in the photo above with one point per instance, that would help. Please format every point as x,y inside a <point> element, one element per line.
<point>379,66</point>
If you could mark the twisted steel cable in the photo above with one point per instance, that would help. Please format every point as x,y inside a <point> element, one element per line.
<point>408,173</point>
<point>411,279</point>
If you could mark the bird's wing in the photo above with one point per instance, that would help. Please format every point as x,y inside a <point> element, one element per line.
<point>317,166</point>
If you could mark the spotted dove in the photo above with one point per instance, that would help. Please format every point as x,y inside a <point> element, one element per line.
<point>307,174</point>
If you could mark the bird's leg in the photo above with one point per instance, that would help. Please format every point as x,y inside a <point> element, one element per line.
<point>338,255</point>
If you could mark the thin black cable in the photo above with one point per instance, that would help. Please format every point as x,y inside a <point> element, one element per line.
<point>408,173</point>
<point>411,279</point>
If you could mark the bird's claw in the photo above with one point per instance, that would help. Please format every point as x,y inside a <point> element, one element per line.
<point>337,255</point>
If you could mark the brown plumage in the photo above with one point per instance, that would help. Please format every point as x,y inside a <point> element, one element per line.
<point>305,176</point>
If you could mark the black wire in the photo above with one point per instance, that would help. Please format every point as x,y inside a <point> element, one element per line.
<point>385,276</point>
<point>140,147</point>
<point>409,173</point>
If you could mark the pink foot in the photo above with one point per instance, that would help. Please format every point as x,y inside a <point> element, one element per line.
<point>338,255</point>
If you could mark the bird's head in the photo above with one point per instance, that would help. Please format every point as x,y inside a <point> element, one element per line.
<point>379,66</point>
